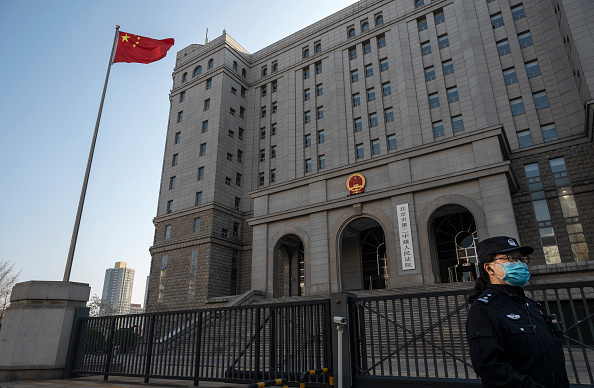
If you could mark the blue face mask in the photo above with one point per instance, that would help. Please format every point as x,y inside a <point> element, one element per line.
<point>516,273</point>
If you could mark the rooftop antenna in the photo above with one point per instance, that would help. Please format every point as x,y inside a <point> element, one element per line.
<point>206,40</point>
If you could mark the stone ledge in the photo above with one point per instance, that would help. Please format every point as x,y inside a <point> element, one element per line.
<point>562,267</point>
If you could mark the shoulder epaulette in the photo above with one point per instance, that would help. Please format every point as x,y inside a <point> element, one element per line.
<point>486,297</point>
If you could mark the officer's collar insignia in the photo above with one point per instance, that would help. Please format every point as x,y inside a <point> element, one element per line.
<point>513,316</point>
<point>483,299</point>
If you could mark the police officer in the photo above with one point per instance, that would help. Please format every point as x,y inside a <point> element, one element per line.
<point>511,343</point>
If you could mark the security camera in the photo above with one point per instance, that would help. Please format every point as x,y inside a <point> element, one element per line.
<point>340,320</point>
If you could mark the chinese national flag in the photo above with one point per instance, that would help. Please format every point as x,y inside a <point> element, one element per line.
<point>139,49</point>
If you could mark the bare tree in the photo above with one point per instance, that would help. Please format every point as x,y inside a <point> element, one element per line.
<point>100,307</point>
<point>8,278</point>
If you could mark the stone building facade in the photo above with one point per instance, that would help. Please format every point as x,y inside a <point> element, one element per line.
<point>466,119</point>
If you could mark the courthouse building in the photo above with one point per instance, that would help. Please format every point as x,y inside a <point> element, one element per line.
<point>374,148</point>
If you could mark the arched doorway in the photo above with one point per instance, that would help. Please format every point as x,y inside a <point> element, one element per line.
<point>455,238</point>
<point>290,256</point>
<point>364,258</point>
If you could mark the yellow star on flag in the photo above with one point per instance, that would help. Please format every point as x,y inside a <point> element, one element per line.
<point>125,38</point>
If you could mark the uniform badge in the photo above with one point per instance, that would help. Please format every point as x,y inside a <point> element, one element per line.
<point>483,299</point>
<point>513,316</point>
<point>512,242</point>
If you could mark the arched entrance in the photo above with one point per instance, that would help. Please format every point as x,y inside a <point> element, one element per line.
<point>290,256</point>
<point>455,238</point>
<point>364,257</point>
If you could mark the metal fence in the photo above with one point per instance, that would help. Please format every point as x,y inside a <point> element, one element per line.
<point>422,337</point>
<point>236,344</point>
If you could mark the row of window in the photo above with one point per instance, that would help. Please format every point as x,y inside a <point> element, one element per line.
<point>370,94</point>
<point>379,20</point>
<point>452,97</point>
<point>197,71</point>
<point>540,101</point>
<point>438,18</point>
<point>549,133</point>
<point>517,14</point>
<point>196,228</point>
<point>524,38</point>
<point>369,70</point>
<point>375,147</point>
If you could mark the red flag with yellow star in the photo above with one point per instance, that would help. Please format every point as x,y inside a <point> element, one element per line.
<point>139,49</point>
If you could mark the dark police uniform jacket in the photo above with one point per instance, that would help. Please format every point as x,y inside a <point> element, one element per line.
<point>511,344</point>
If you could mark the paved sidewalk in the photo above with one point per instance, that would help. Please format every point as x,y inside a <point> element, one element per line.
<point>113,382</point>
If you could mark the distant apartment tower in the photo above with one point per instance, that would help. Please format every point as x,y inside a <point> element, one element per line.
<point>117,288</point>
<point>136,308</point>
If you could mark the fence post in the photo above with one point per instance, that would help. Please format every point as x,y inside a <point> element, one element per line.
<point>149,350</point>
<point>257,343</point>
<point>108,355</point>
<point>198,344</point>
<point>339,306</point>
<point>79,312</point>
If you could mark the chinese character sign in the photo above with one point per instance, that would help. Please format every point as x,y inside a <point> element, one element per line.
<point>406,246</point>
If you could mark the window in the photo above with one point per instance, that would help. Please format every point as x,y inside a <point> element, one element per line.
<point>366,47</point>
<point>235,65</point>
<point>452,94</point>
<point>351,32</point>
<point>273,129</point>
<point>264,90</point>
<point>375,147</point>
<point>368,70</point>
<point>169,206</point>
<point>196,225</point>
<point>373,120</point>
<point>201,173</point>
<point>306,72</point>
<point>443,41</point>
<point>273,175</point>
<point>241,112</point>
<point>236,229</point>
<point>549,133</point>
<point>364,27</point>
<point>232,111</point>
<point>379,20</point>
<point>358,125</point>
<point>510,76</point>
<point>448,67</point>
<point>162,276</point>
<point>320,112</point>
<point>261,179</point>
<point>422,23</point>
<point>320,136</point>
<point>243,73</point>
<point>352,54</point>
<point>262,133</point>
<point>264,71</point>
<point>354,76</point>
<point>229,157</point>
<point>517,106</point>
<point>321,162</point>
<point>208,83</point>
<point>426,48</point>
<point>307,165</point>
<point>185,78</point>
<point>457,124</point>
<point>177,138</point>
<point>360,151</point>
<point>525,39</point>
<point>306,95</point>
<point>518,12</point>
<point>237,203</point>
<point>419,3</point>
<point>205,126</point>
<point>433,100</point>
<point>370,94</point>
<point>180,116</point>
<point>174,160</point>
<point>389,115</point>
<point>392,142</point>
<point>497,20</point>
<point>274,107</point>
<point>262,155</point>
<point>274,67</point>
<point>438,129</point>
<point>240,134</point>
<point>243,90</point>
<point>231,134</point>
<point>274,86</point>
<point>233,91</point>
<point>532,69</point>
<point>228,181</point>
<point>168,230</point>
<point>199,198</point>
<point>172,183</point>
<point>202,149</point>
<point>272,152</point>
<point>224,233</point>
<point>238,179</point>
<point>524,139</point>
<point>307,117</point>
<point>307,141</point>
<point>319,90</point>
<point>384,65</point>
<point>439,17</point>
<point>429,73</point>
<point>386,89</point>
<point>197,71</point>
<point>306,53</point>
<point>207,104</point>
<point>210,64</point>
<point>240,156</point>
<point>319,68</point>
<point>182,96</point>
<point>263,111</point>
<point>503,47</point>
<point>381,41</point>
<point>540,100</point>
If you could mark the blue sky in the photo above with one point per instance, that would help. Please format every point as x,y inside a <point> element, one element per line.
<point>54,58</point>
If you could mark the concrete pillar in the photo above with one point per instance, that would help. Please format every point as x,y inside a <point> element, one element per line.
<point>35,334</point>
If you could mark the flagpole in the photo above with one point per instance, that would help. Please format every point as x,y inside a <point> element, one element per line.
<point>88,171</point>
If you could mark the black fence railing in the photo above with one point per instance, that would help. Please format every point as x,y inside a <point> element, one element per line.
<point>236,344</point>
<point>422,336</point>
